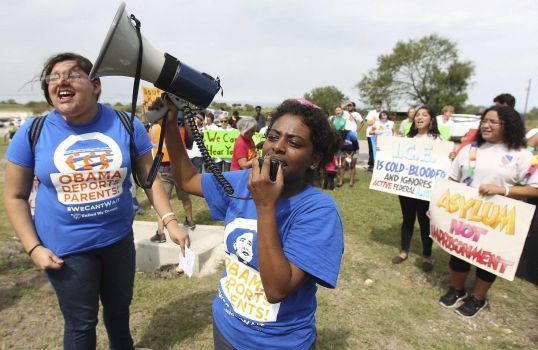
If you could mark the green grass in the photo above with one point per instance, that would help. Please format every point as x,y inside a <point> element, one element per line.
<point>376,305</point>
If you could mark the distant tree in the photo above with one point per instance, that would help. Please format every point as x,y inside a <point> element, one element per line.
<point>532,114</point>
<point>472,109</point>
<point>220,105</point>
<point>326,97</point>
<point>248,107</point>
<point>37,107</point>
<point>236,105</point>
<point>424,72</point>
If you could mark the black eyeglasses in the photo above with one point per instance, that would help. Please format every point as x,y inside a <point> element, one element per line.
<point>493,123</point>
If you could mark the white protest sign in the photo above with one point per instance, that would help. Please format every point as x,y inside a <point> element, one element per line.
<point>408,166</point>
<point>486,231</point>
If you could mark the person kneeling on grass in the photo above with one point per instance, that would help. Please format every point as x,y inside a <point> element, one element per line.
<point>284,241</point>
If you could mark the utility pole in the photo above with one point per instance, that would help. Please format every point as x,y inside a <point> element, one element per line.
<point>527,98</point>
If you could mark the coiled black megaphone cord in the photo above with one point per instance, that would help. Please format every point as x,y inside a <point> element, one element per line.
<point>207,157</point>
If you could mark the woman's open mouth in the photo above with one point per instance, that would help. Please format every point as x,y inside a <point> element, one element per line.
<point>65,95</point>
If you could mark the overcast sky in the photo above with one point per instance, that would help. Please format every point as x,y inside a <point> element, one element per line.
<point>266,51</point>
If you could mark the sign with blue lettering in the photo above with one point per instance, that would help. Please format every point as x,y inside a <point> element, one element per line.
<point>408,166</point>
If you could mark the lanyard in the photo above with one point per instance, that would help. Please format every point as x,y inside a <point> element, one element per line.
<point>472,164</point>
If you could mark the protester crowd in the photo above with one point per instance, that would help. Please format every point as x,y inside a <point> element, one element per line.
<point>275,228</point>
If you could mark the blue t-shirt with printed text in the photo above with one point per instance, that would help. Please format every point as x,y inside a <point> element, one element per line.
<point>311,235</point>
<point>83,200</point>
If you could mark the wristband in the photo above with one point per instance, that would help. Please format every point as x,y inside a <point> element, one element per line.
<point>169,221</point>
<point>33,248</point>
<point>506,190</point>
<point>171,213</point>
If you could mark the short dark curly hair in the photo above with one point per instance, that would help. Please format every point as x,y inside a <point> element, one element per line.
<point>513,128</point>
<point>82,62</point>
<point>322,135</point>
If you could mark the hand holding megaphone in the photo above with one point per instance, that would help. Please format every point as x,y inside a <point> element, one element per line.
<point>161,106</point>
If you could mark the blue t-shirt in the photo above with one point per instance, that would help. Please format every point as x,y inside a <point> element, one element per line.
<point>311,235</point>
<point>83,199</point>
<point>350,142</point>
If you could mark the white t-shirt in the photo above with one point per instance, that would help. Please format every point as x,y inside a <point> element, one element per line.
<point>449,122</point>
<point>352,120</point>
<point>495,164</point>
<point>384,127</point>
<point>372,115</point>
<point>531,133</point>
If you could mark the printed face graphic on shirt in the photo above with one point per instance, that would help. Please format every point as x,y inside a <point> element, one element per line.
<point>243,246</point>
<point>89,169</point>
<point>241,288</point>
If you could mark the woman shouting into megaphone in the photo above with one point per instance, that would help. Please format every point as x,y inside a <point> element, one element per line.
<point>280,243</point>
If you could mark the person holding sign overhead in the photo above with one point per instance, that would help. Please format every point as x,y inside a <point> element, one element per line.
<point>225,125</point>
<point>497,163</point>
<point>424,125</point>
<point>281,243</point>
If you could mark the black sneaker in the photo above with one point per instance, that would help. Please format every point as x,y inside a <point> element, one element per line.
<point>158,238</point>
<point>471,307</point>
<point>189,224</point>
<point>452,297</point>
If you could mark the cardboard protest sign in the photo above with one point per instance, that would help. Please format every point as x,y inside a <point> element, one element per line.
<point>150,94</point>
<point>486,231</point>
<point>220,143</point>
<point>408,166</point>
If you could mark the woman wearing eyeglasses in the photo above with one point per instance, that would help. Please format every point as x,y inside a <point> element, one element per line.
<point>82,234</point>
<point>497,162</point>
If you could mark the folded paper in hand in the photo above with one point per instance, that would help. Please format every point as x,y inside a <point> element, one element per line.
<point>187,262</point>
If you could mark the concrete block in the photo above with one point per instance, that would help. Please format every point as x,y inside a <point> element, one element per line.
<point>206,241</point>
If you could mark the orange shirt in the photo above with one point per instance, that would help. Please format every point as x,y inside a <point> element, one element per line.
<point>154,134</point>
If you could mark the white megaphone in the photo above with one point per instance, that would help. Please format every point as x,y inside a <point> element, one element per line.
<point>119,57</point>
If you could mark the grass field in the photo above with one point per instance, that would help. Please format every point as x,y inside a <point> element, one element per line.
<point>376,305</point>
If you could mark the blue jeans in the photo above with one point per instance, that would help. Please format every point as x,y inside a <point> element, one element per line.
<point>105,273</point>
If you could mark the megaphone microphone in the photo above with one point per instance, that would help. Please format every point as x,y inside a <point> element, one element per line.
<point>119,57</point>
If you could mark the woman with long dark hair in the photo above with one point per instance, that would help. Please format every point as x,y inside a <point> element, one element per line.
<point>424,126</point>
<point>497,162</point>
